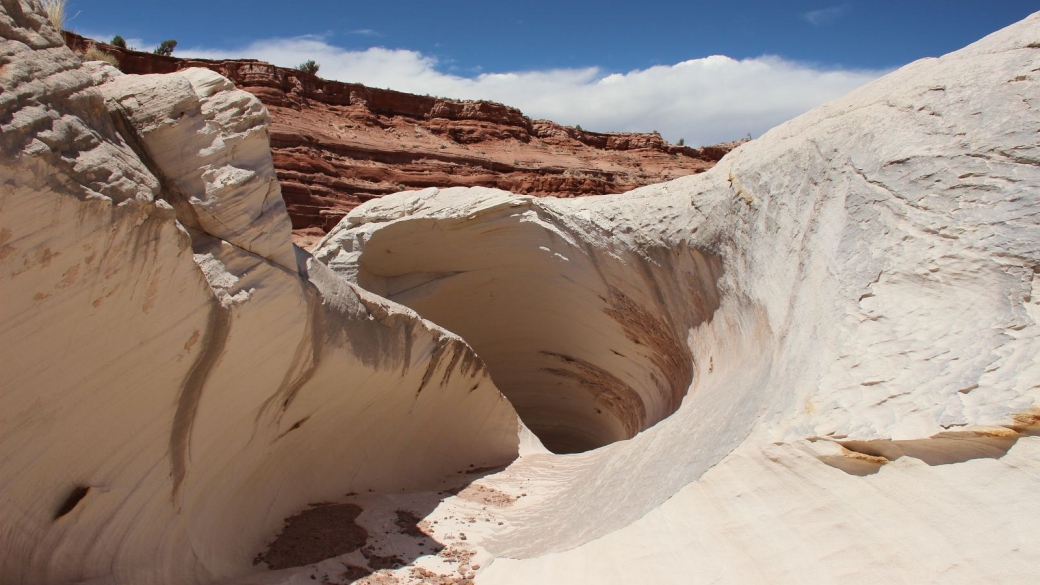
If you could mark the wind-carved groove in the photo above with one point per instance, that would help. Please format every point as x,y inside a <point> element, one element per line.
<point>941,449</point>
<point>946,448</point>
<point>218,327</point>
<point>589,344</point>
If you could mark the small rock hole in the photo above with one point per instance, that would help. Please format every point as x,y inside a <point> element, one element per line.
<point>75,497</point>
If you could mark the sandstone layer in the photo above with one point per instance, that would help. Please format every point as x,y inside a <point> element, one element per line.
<point>817,362</point>
<point>336,144</point>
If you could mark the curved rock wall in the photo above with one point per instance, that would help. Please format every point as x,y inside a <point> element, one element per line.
<point>175,378</point>
<point>587,341</point>
<point>876,315</point>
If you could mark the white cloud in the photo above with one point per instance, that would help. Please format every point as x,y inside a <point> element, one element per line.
<point>705,101</point>
<point>825,15</point>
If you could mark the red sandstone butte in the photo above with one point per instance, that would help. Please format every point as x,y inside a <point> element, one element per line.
<point>336,145</point>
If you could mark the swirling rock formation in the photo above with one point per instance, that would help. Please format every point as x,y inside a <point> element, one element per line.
<point>847,306</point>
<point>815,363</point>
<point>175,379</point>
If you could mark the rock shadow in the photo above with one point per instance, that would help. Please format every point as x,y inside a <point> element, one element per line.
<point>364,537</point>
<point>590,343</point>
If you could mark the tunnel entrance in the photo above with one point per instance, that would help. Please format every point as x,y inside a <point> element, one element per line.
<point>588,342</point>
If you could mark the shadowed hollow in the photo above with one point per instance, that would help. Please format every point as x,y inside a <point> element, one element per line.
<point>590,345</point>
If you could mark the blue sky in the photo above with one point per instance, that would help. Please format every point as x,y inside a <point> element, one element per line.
<point>706,71</point>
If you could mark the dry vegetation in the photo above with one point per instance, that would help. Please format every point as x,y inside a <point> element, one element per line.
<point>93,53</point>
<point>56,12</point>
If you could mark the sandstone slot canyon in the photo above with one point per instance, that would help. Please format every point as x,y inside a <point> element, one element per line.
<point>260,328</point>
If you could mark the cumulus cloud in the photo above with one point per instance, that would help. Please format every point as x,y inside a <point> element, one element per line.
<point>707,100</point>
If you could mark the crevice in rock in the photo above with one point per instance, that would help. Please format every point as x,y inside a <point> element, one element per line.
<point>295,426</point>
<point>183,210</point>
<point>74,498</point>
<point>942,449</point>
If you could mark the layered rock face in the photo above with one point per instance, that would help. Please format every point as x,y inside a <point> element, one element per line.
<point>336,144</point>
<point>815,363</point>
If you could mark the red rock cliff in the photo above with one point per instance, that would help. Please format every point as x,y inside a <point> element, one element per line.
<point>338,144</point>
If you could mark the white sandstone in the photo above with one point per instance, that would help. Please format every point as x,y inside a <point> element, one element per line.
<point>864,394</point>
<point>169,395</point>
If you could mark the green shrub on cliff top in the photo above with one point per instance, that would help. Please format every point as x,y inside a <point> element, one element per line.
<point>166,47</point>
<point>309,66</point>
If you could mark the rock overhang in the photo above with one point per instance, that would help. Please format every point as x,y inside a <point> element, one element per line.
<point>587,338</point>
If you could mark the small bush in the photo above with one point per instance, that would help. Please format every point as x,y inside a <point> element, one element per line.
<point>118,41</point>
<point>309,67</point>
<point>55,10</point>
<point>682,142</point>
<point>166,47</point>
<point>95,54</point>
<point>578,128</point>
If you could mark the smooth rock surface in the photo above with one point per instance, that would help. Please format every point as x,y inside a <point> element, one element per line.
<point>169,394</point>
<point>865,389</point>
